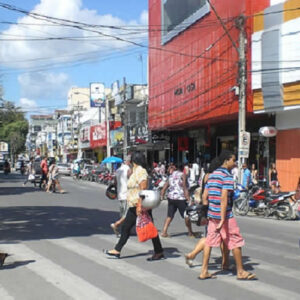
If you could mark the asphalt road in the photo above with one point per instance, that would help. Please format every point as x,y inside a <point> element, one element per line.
<point>56,243</point>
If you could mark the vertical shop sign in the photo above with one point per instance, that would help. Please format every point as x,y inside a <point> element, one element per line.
<point>97,98</point>
<point>98,135</point>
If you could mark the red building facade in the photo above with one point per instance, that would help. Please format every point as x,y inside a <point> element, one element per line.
<point>192,73</point>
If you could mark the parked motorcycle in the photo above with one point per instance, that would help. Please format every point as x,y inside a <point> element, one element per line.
<point>158,182</point>
<point>241,200</point>
<point>261,201</point>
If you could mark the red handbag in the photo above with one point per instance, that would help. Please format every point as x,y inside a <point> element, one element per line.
<point>145,228</point>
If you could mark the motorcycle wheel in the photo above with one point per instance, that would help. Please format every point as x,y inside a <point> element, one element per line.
<point>241,206</point>
<point>284,211</point>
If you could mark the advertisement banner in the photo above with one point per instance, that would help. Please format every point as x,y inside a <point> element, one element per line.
<point>183,143</point>
<point>98,135</point>
<point>138,134</point>
<point>3,147</point>
<point>85,137</point>
<point>97,91</point>
<point>117,137</point>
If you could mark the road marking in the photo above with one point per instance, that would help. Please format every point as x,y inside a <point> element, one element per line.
<point>4,295</point>
<point>273,241</point>
<point>70,284</point>
<point>258,287</point>
<point>156,282</point>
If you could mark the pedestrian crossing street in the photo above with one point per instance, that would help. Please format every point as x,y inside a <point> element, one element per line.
<point>76,268</point>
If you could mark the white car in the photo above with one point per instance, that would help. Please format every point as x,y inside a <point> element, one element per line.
<point>64,169</point>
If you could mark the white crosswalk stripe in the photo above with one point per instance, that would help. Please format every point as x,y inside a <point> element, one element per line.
<point>4,295</point>
<point>257,287</point>
<point>72,285</point>
<point>76,287</point>
<point>163,285</point>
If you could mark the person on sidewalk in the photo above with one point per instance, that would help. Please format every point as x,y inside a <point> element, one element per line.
<point>122,175</point>
<point>137,182</point>
<point>247,179</point>
<point>178,198</point>
<point>222,226</point>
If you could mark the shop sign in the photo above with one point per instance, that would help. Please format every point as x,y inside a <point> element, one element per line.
<point>98,135</point>
<point>160,137</point>
<point>139,134</point>
<point>244,144</point>
<point>183,143</point>
<point>97,91</point>
<point>85,134</point>
<point>3,147</point>
<point>185,89</point>
<point>117,137</point>
<point>267,131</point>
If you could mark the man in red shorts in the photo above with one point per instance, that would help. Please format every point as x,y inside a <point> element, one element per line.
<point>222,225</point>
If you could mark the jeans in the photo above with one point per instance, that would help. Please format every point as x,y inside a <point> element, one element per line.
<point>129,222</point>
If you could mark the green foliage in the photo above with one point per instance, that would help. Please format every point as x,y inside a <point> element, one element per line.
<point>13,127</point>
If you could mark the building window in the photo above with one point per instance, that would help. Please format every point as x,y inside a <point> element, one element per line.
<point>178,15</point>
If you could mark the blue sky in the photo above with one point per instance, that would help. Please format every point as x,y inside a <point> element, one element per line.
<point>37,74</point>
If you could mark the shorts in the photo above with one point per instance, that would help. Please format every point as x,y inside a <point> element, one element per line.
<point>123,208</point>
<point>173,205</point>
<point>229,234</point>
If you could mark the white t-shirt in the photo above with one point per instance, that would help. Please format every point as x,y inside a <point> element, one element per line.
<point>196,169</point>
<point>121,177</point>
<point>235,173</point>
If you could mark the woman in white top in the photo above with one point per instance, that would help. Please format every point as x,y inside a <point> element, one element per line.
<point>178,198</point>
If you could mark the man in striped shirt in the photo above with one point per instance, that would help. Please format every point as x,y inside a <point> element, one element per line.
<point>222,226</point>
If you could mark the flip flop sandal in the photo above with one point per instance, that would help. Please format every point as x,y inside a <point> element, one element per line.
<point>165,236</point>
<point>250,276</point>
<point>207,277</point>
<point>188,261</point>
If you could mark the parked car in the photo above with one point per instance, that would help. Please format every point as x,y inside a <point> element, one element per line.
<point>64,169</point>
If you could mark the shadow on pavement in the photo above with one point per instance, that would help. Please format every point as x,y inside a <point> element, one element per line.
<point>10,190</point>
<point>16,264</point>
<point>169,252</point>
<point>21,223</point>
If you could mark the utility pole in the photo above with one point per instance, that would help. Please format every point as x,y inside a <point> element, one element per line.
<point>240,24</point>
<point>125,144</point>
<point>107,127</point>
<point>242,81</point>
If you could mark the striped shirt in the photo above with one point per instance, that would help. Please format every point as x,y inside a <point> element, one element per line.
<point>219,180</point>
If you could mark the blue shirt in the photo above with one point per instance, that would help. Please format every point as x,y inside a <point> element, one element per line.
<point>246,177</point>
<point>219,180</point>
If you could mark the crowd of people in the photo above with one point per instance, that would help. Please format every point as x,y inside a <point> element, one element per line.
<point>49,175</point>
<point>216,184</point>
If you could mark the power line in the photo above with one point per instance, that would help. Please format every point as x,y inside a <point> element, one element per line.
<point>82,26</point>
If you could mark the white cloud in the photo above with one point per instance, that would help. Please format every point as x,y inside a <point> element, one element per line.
<point>44,54</point>
<point>27,104</point>
<point>43,85</point>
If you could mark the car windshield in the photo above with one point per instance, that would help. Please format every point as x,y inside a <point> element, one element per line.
<point>63,165</point>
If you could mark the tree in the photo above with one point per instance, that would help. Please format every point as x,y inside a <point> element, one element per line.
<point>13,127</point>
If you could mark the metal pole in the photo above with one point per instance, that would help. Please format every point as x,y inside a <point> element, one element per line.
<point>107,128</point>
<point>125,145</point>
<point>240,23</point>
